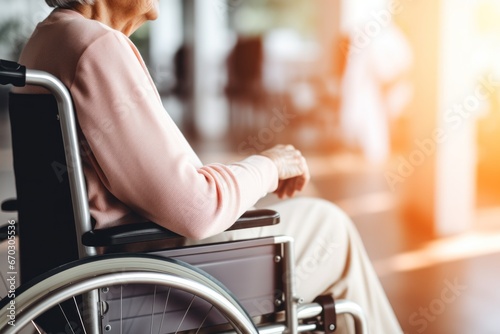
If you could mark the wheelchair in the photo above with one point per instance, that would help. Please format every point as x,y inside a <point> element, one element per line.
<point>79,280</point>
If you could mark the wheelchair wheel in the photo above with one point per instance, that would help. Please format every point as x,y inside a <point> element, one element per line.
<point>137,294</point>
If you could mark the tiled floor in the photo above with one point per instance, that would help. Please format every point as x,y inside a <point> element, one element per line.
<point>444,286</point>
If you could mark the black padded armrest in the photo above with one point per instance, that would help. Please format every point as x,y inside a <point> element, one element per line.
<point>148,231</point>
<point>9,205</point>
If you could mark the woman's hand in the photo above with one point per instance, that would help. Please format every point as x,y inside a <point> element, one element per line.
<point>293,172</point>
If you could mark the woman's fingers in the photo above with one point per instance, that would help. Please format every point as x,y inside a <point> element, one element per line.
<point>288,160</point>
<point>293,171</point>
<point>291,190</point>
<point>289,187</point>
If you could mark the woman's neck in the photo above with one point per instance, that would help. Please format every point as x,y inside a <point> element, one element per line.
<point>118,20</point>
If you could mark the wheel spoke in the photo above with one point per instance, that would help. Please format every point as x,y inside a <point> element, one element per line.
<point>121,309</point>
<point>204,319</point>
<point>36,327</point>
<point>153,309</point>
<point>185,314</point>
<point>164,310</point>
<point>66,318</point>
<point>79,315</point>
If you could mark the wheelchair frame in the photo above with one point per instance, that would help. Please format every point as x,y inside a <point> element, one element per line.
<point>13,73</point>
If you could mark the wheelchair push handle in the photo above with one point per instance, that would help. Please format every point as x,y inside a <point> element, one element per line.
<point>12,73</point>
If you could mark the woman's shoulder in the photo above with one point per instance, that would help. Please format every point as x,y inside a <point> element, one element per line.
<point>60,41</point>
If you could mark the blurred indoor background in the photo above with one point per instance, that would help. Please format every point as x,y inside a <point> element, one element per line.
<point>395,104</point>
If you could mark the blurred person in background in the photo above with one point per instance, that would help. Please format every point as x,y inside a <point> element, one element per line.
<point>374,91</point>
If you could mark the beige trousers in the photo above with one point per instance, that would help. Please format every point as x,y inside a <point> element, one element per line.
<point>330,258</point>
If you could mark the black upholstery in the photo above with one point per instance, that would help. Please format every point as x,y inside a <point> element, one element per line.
<point>46,225</point>
<point>45,213</point>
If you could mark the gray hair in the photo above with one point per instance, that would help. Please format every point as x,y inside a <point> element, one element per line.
<point>68,3</point>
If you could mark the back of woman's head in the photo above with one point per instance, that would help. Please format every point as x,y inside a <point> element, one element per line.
<point>68,3</point>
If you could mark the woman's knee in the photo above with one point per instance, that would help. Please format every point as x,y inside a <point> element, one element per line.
<point>322,246</point>
<point>328,214</point>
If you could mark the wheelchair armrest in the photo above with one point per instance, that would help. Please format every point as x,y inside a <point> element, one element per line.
<point>9,205</point>
<point>149,231</point>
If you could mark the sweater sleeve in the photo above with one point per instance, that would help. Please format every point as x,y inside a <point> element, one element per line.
<point>142,158</point>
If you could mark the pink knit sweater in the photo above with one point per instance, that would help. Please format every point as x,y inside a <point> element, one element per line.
<point>137,163</point>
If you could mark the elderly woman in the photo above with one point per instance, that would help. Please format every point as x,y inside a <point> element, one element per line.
<point>139,166</point>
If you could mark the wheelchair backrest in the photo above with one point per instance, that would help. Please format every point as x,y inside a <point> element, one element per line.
<point>46,221</point>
